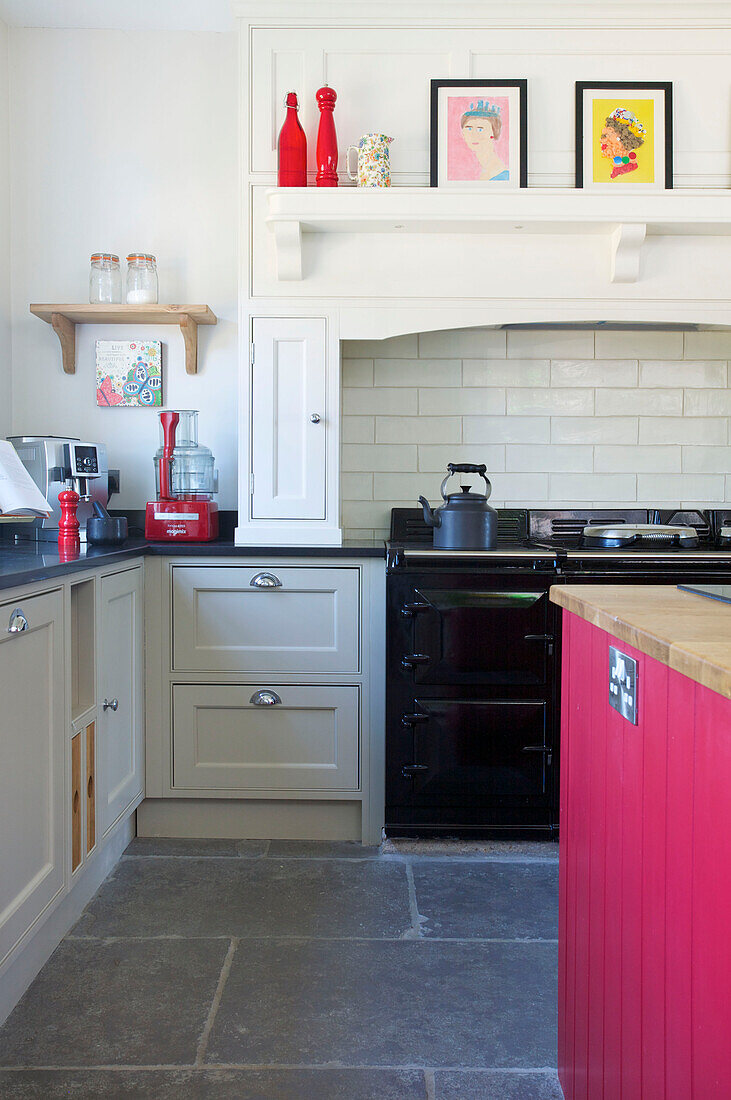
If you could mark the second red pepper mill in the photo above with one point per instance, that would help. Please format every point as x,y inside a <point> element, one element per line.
<point>327,141</point>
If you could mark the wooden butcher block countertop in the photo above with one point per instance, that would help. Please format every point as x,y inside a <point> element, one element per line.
<point>686,632</point>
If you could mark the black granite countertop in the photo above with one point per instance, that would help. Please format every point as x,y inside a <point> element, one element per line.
<point>27,562</point>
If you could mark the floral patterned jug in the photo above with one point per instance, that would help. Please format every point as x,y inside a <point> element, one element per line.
<point>374,165</point>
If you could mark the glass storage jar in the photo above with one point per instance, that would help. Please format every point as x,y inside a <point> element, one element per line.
<point>141,279</point>
<point>105,278</point>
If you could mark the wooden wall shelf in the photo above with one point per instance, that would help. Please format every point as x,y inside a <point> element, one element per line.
<point>65,318</point>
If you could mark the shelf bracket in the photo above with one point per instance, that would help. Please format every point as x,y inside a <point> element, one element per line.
<point>626,245</point>
<point>189,330</point>
<point>66,332</point>
<point>288,247</point>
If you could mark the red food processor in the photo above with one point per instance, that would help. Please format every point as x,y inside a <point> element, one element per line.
<point>185,483</point>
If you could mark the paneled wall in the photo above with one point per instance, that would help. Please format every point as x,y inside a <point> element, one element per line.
<point>5,363</point>
<point>559,416</point>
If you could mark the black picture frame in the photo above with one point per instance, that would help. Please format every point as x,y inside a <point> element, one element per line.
<point>437,83</point>
<point>583,86</point>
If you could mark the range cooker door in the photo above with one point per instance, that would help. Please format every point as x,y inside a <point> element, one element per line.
<point>464,635</point>
<point>471,762</point>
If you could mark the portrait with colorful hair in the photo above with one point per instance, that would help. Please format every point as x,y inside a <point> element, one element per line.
<point>624,136</point>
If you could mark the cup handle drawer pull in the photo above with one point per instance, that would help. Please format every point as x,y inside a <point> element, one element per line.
<point>265,698</point>
<point>110,704</point>
<point>265,580</point>
<point>18,622</point>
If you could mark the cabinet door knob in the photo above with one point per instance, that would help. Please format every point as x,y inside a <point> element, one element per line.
<point>110,704</point>
<point>18,622</point>
<point>265,698</point>
<point>265,580</point>
<point>315,418</point>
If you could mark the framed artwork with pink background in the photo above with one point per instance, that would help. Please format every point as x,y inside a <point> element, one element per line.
<point>479,134</point>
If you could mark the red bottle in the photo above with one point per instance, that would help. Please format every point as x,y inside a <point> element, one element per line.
<point>292,147</point>
<point>69,545</point>
<point>327,141</point>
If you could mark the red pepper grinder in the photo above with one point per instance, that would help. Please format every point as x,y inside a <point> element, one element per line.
<point>69,544</point>
<point>292,147</point>
<point>327,141</point>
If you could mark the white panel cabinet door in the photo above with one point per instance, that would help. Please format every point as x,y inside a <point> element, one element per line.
<point>32,785</point>
<point>120,744</point>
<point>288,418</point>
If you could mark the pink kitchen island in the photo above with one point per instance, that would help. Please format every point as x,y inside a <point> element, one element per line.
<point>645,845</point>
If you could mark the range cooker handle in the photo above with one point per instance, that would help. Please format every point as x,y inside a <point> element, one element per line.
<point>411,660</point>
<point>410,609</point>
<point>410,771</point>
<point>548,639</point>
<point>546,750</point>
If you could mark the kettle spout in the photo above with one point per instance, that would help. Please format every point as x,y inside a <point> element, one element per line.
<point>431,518</point>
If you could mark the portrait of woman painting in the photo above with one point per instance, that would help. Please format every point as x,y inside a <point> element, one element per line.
<point>478,134</point>
<point>624,136</point>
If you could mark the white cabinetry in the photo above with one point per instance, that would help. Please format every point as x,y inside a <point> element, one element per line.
<point>288,420</point>
<point>32,775</point>
<point>121,706</point>
<point>289,492</point>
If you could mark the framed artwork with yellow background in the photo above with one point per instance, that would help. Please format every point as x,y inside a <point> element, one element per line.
<point>624,136</point>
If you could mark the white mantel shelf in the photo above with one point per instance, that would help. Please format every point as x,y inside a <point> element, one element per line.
<point>625,219</point>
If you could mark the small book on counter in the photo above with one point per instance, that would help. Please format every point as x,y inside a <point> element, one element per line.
<point>20,497</point>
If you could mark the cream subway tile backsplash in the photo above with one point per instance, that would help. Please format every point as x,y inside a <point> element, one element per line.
<point>705,431</point>
<point>506,429</point>
<point>594,372</point>
<point>511,372</point>
<point>527,457</point>
<point>462,402</point>
<point>594,429</point>
<point>466,343</point>
<point>433,458</point>
<point>536,343</point>
<point>639,402</point>
<point>563,402</point>
<point>560,417</point>
<point>637,459</point>
<point>708,345</point>
<point>374,401</point>
<point>638,344</point>
<point>708,402</point>
<point>418,372</point>
<point>689,372</point>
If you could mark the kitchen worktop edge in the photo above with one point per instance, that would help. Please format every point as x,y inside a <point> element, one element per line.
<point>30,562</point>
<point>686,632</point>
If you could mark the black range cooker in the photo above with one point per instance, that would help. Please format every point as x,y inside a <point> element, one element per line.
<point>474,654</point>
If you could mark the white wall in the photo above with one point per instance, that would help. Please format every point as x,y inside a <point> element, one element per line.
<point>5,366</point>
<point>560,417</point>
<point>120,141</point>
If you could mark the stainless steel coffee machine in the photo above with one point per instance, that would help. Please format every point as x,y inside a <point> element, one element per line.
<point>53,461</point>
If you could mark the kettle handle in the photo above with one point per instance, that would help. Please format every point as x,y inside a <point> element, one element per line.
<point>466,468</point>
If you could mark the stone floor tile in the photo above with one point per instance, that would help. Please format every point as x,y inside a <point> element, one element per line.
<point>487,900</point>
<point>497,1086</point>
<point>174,846</point>
<point>413,1002</point>
<point>307,1084</point>
<point>115,1003</point>
<point>459,848</point>
<point>221,897</point>
<point>322,849</point>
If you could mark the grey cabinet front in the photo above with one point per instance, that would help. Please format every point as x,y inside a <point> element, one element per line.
<point>266,618</point>
<point>265,736</point>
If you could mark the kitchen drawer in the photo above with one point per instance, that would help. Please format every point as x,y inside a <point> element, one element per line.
<point>307,740</point>
<point>224,622</point>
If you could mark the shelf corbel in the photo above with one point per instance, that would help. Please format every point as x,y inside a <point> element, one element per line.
<point>189,332</point>
<point>626,247</point>
<point>66,332</point>
<point>288,246</point>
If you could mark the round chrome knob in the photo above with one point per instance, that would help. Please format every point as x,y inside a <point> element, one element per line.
<point>110,704</point>
<point>314,418</point>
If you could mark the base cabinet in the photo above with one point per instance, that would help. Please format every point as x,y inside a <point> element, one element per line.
<point>32,775</point>
<point>121,707</point>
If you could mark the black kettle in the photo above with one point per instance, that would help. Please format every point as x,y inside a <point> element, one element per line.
<point>465,521</point>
